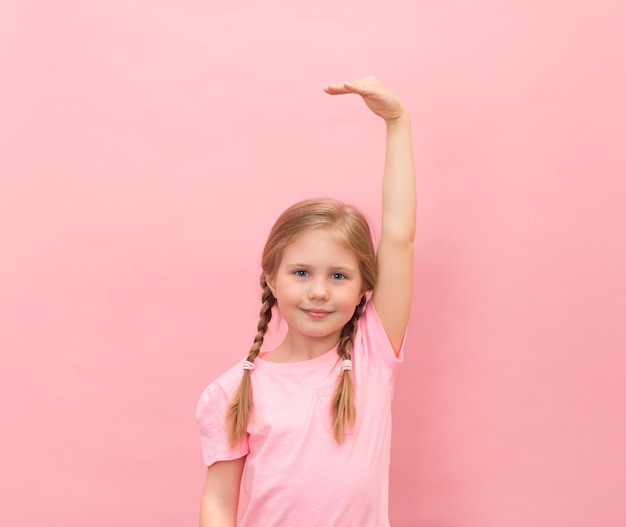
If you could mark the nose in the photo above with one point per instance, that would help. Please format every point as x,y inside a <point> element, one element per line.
<point>318,291</point>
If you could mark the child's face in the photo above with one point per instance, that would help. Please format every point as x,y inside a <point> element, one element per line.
<point>317,286</point>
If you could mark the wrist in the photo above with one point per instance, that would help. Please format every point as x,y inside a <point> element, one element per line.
<point>400,120</point>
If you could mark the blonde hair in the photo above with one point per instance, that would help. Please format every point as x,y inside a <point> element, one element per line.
<point>348,227</point>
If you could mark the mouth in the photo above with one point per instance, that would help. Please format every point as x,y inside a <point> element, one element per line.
<point>317,313</point>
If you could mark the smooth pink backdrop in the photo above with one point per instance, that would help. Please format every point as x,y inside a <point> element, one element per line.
<point>148,146</point>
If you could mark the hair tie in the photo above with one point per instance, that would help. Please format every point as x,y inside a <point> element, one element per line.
<point>247,365</point>
<point>346,365</point>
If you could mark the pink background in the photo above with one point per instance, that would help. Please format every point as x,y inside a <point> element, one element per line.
<point>148,146</point>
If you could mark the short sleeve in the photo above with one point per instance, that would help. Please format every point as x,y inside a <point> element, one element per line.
<point>373,347</point>
<point>211,417</point>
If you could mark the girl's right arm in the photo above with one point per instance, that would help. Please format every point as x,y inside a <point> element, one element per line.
<point>220,496</point>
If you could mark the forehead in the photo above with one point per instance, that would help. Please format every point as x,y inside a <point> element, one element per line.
<point>319,248</point>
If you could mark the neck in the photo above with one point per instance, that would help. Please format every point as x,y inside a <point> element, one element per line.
<point>296,348</point>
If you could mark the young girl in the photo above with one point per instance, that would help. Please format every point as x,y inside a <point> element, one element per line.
<point>310,421</point>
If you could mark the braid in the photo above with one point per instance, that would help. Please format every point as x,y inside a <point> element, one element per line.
<point>265,315</point>
<point>240,408</point>
<point>344,412</point>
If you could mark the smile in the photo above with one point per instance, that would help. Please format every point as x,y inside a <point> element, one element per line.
<point>317,313</point>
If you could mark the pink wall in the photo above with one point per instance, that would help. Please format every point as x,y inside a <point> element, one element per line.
<point>146,150</point>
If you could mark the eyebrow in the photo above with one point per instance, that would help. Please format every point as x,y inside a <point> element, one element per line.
<point>333,268</point>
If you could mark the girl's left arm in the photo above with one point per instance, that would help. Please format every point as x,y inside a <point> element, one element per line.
<point>394,259</point>
<point>393,291</point>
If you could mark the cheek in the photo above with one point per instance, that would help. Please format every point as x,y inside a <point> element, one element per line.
<point>287,291</point>
<point>355,296</point>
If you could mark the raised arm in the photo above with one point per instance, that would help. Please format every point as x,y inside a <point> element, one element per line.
<point>392,294</point>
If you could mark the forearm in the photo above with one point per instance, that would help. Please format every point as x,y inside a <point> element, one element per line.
<point>398,194</point>
<point>213,514</point>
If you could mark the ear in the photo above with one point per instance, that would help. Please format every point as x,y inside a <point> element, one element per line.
<point>271,284</point>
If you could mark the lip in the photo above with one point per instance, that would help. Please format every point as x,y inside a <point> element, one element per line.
<point>317,313</point>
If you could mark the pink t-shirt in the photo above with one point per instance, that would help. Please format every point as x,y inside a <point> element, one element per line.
<point>296,474</point>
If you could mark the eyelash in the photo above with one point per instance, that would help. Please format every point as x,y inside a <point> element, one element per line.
<point>301,273</point>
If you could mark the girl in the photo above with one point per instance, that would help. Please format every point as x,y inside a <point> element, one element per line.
<point>311,420</point>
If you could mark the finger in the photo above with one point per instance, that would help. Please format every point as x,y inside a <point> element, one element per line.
<point>361,87</point>
<point>365,86</point>
<point>337,89</point>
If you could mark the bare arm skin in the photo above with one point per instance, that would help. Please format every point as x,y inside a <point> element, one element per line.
<point>220,497</point>
<point>393,291</point>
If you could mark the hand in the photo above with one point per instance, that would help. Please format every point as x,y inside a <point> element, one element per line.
<point>376,95</point>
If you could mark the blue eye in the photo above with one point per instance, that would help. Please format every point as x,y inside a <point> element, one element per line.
<point>301,273</point>
<point>338,276</point>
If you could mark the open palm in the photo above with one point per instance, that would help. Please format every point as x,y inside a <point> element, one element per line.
<point>378,98</point>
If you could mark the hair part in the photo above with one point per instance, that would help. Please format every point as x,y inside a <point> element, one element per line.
<point>349,228</point>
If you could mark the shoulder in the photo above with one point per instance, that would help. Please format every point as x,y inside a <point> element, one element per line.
<point>230,379</point>
<point>370,327</point>
<point>211,413</point>
<point>372,343</point>
<point>221,390</point>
